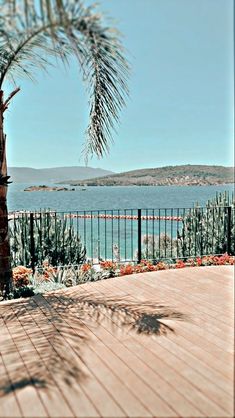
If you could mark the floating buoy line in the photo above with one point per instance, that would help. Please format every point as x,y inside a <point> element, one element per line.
<point>15,215</point>
<point>128,217</point>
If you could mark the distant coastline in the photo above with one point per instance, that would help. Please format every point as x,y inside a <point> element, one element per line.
<point>184,175</point>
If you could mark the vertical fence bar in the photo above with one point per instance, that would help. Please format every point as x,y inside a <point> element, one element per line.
<point>153,255</point>
<point>201,233</point>
<point>132,251</point>
<point>177,232</point>
<point>112,235</point>
<point>32,244</point>
<point>165,215</point>
<point>171,236</point>
<point>229,213</point>
<point>125,234</point>
<point>92,257</point>
<point>139,235</point>
<point>98,231</point>
<point>147,234</point>
<point>14,229</point>
<point>119,240</point>
<point>105,235</point>
<point>159,233</point>
<point>213,229</point>
<point>56,252</point>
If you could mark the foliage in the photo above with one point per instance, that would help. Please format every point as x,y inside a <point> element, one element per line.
<point>22,292</point>
<point>21,276</point>
<point>48,278</point>
<point>34,37</point>
<point>156,247</point>
<point>205,231</point>
<point>109,266</point>
<point>55,239</point>
<point>44,287</point>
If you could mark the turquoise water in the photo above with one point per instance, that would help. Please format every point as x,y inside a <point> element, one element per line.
<point>98,198</point>
<point>99,236</point>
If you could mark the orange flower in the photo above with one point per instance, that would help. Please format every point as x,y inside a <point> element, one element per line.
<point>150,267</point>
<point>161,266</point>
<point>108,265</point>
<point>231,260</point>
<point>85,267</point>
<point>179,264</point>
<point>21,276</point>
<point>139,268</point>
<point>128,269</point>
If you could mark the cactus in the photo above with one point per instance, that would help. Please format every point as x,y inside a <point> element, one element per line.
<point>158,247</point>
<point>54,236</point>
<point>205,230</point>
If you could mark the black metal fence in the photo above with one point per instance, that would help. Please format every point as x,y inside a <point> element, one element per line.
<point>120,235</point>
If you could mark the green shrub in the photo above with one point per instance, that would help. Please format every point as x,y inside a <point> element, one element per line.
<point>205,230</point>
<point>54,238</point>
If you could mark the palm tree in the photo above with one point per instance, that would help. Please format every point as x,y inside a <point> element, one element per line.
<point>32,35</point>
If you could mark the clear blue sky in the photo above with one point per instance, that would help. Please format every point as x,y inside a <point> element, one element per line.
<point>180,109</point>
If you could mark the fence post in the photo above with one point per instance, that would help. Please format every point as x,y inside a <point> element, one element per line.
<point>139,235</point>
<point>32,244</point>
<point>229,213</point>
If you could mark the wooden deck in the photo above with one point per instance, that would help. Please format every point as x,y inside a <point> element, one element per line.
<point>149,345</point>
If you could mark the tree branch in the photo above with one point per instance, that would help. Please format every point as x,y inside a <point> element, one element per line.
<point>6,103</point>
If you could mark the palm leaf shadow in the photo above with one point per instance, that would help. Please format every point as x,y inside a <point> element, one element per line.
<point>46,335</point>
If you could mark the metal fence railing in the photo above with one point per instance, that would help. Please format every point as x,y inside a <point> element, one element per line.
<point>119,235</point>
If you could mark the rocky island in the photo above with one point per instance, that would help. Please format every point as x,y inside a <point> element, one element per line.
<point>45,188</point>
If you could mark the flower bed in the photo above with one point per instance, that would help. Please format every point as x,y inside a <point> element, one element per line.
<point>49,278</point>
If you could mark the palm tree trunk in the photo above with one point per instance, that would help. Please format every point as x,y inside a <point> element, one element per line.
<point>5,259</point>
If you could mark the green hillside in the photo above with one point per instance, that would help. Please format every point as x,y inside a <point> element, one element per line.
<point>164,176</point>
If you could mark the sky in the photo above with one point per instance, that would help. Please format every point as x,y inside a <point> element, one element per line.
<point>180,108</point>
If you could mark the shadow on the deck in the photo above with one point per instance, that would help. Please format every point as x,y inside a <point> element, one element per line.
<point>45,336</point>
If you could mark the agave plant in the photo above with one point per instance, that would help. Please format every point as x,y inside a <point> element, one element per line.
<point>32,35</point>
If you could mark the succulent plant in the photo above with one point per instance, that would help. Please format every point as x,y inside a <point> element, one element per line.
<point>45,235</point>
<point>208,230</point>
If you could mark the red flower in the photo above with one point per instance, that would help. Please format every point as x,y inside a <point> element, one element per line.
<point>108,265</point>
<point>179,264</point>
<point>128,269</point>
<point>199,261</point>
<point>85,267</point>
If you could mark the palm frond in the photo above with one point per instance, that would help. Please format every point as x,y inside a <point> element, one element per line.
<point>31,36</point>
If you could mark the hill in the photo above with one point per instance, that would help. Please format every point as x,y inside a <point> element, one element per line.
<point>54,175</point>
<point>182,175</point>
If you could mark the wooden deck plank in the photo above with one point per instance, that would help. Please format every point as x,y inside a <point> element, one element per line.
<point>116,380</point>
<point>107,398</point>
<point>133,376</point>
<point>223,367</point>
<point>9,407</point>
<point>62,391</point>
<point>77,393</point>
<point>169,279</point>
<point>40,364</point>
<point>203,362</point>
<point>172,294</point>
<point>95,366</point>
<point>218,353</point>
<point>28,398</point>
<point>214,393</point>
